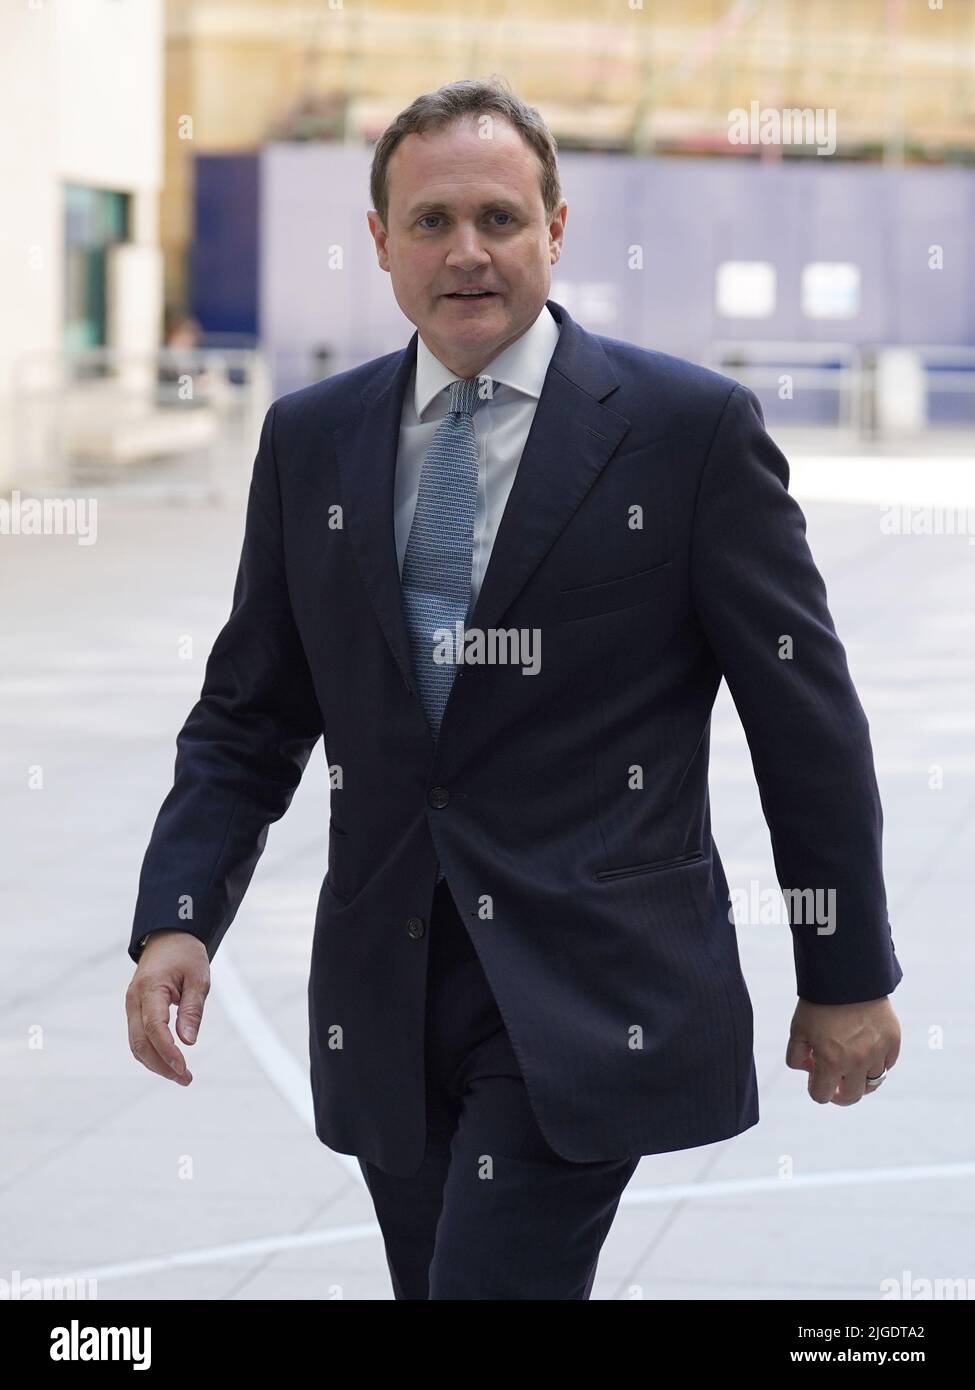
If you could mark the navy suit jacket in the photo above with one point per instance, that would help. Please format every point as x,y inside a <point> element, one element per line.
<point>651,543</point>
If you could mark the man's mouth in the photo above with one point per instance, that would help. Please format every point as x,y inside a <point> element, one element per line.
<point>472,294</point>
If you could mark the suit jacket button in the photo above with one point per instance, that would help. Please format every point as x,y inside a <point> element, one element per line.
<point>438,796</point>
<point>415,927</point>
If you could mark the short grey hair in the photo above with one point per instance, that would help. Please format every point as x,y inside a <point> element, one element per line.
<point>468,97</point>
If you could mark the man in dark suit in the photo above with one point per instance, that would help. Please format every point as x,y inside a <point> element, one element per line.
<point>503,571</point>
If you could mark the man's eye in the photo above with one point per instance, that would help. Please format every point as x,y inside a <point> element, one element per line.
<point>435,217</point>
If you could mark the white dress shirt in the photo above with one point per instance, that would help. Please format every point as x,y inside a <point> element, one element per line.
<point>501,425</point>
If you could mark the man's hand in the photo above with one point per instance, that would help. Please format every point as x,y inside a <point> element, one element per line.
<point>840,1045</point>
<point>173,969</point>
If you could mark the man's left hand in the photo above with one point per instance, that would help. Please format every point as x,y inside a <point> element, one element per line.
<point>841,1045</point>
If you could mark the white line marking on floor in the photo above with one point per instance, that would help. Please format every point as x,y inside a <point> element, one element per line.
<point>337,1235</point>
<point>290,1080</point>
<point>840,1177</point>
<point>217,1254</point>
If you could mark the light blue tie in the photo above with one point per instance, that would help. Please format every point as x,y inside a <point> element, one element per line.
<point>440,550</point>
<point>439,553</point>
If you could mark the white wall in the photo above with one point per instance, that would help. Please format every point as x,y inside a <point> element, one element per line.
<point>81,101</point>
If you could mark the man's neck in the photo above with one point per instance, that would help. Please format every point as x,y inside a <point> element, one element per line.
<point>475,365</point>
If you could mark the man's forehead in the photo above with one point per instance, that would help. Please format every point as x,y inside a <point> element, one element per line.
<point>463,190</point>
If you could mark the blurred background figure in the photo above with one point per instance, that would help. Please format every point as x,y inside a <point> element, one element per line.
<point>184,376</point>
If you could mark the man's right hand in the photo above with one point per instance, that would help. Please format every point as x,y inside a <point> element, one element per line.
<point>173,969</point>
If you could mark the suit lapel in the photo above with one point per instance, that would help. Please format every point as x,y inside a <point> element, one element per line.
<point>366,449</point>
<point>572,437</point>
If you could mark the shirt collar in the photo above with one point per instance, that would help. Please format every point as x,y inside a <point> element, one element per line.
<point>523,364</point>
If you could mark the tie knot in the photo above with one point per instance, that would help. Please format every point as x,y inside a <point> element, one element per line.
<point>465,395</point>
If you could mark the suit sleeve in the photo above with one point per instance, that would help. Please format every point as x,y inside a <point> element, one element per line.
<point>762,605</point>
<point>244,745</point>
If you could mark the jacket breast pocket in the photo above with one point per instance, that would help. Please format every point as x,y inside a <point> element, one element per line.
<point>592,600</point>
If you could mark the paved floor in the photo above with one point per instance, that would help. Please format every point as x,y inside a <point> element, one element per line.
<point>221,1190</point>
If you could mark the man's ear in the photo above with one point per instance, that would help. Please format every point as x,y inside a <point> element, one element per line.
<point>556,230</point>
<point>379,236</point>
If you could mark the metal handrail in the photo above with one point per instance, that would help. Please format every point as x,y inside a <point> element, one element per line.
<point>948,368</point>
<point>846,379</point>
<point>66,403</point>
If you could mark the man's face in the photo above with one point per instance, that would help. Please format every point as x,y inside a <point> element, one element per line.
<point>466,211</point>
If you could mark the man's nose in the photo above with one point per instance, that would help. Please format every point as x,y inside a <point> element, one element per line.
<point>466,249</point>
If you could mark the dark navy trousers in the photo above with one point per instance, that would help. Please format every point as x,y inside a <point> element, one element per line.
<point>493,1211</point>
